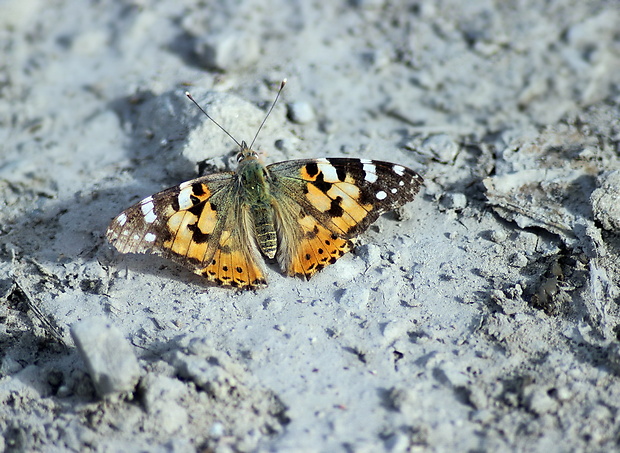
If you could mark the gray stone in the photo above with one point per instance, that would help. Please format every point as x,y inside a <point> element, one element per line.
<point>227,51</point>
<point>498,236</point>
<point>456,201</point>
<point>606,201</point>
<point>441,146</point>
<point>538,400</point>
<point>300,112</point>
<point>109,358</point>
<point>370,253</point>
<point>9,365</point>
<point>394,329</point>
<point>518,260</point>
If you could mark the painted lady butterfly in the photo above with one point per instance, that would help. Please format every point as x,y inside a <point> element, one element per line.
<point>304,213</point>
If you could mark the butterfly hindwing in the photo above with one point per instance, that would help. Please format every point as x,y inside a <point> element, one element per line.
<point>321,204</point>
<point>305,244</point>
<point>196,225</point>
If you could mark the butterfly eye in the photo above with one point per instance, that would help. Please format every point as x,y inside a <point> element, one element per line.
<point>239,157</point>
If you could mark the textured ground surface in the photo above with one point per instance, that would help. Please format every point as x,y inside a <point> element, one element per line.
<point>484,316</point>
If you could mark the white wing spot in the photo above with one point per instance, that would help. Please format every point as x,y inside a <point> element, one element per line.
<point>399,170</point>
<point>136,237</point>
<point>150,217</point>
<point>393,190</point>
<point>121,219</point>
<point>185,201</point>
<point>401,183</point>
<point>369,170</point>
<point>329,172</point>
<point>149,237</point>
<point>125,233</point>
<point>148,211</point>
<point>381,195</point>
<point>366,161</point>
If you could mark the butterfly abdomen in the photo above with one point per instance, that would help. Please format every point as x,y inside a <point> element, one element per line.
<point>254,182</point>
<point>265,230</point>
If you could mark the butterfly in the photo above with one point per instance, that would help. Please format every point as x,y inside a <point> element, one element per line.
<point>303,213</point>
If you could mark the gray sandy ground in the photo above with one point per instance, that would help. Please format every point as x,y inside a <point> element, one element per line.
<point>481,317</point>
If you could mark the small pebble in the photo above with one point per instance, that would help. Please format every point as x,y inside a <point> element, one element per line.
<point>9,366</point>
<point>394,329</point>
<point>498,236</point>
<point>564,394</point>
<point>398,442</point>
<point>441,146</point>
<point>518,260</point>
<point>300,112</point>
<point>227,52</point>
<point>216,431</point>
<point>538,401</point>
<point>456,201</point>
<point>370,253</point>
<point>606,202</point>
<point>287,145</point>
<point>328,126</point>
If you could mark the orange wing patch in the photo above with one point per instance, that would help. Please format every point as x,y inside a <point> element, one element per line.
<point>191,223</point>
<point>345,209</point>
<point>335,193</point>
<point>190,232</point>
<point>232,264</point>
<point>317,248</point>
<point>181,238</point>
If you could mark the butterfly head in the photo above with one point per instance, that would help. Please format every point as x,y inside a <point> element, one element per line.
<point>246,154</point>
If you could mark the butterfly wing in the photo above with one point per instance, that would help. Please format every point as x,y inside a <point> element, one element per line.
<point>321,204</point>
<point>200,225</point>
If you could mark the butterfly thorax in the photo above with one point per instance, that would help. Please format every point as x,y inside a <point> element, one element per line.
<point>253,180</point>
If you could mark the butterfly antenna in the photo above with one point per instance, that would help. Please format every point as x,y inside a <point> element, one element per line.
<point>215,122</point>
<point>269,112</point>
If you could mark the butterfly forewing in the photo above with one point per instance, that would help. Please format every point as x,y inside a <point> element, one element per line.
<point>323,203</point>
<point>197,225</point>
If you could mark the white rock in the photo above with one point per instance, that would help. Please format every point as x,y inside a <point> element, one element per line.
<point>606,202</point>
<point>228,52</point>
<point>538,401</point>
<point>394,329</point>
<point>110,360</point>
<point>518,260</point>
<point>498,236</point>
<point>441,146</point>
<point>456,201</point>
<point>301,112</point>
